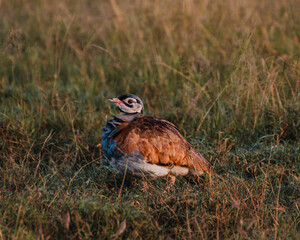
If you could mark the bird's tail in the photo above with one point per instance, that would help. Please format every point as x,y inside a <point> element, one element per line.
<point>199,163</point>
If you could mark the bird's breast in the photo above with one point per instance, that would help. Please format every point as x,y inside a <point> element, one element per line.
<point>109,145</point>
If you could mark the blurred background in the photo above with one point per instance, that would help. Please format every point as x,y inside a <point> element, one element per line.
<point>231,63</point>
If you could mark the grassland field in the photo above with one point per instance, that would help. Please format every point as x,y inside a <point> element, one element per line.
<point>227,73</point>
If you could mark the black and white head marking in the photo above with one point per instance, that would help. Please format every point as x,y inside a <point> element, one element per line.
<point>128,103</point>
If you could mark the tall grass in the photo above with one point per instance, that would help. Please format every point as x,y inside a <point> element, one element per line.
<point>225,72</point>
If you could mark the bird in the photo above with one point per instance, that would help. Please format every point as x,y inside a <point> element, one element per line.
<point>148,146</point>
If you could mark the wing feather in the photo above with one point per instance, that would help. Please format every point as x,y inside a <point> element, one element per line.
<point>160,142</point>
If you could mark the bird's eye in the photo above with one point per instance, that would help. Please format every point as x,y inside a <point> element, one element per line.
<point>130,101</point>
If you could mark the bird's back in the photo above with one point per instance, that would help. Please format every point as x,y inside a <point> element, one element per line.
<point>155,140</point>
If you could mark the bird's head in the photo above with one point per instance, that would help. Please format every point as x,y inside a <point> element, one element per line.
<point>128,103</point>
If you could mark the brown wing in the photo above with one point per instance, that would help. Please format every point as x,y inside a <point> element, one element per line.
<point>159,142</point>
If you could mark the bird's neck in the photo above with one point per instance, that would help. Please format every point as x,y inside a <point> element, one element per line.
<point>128,117</point>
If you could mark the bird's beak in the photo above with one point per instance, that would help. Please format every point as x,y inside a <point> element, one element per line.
<point>114,100</point>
